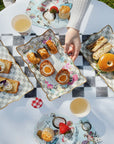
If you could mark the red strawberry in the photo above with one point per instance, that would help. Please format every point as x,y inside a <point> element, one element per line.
<point>54,9</point>
<point>63,128</point>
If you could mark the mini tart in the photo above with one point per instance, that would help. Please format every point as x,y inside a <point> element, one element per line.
<point>43,53</point>
<point>51,47</point>
<point>106,62</point>
<point>47,134</point>
<point>63,76</point>
<point>33,58</point>
<point>5,66</point>
<point>46,68</point>
<point>64,12</point>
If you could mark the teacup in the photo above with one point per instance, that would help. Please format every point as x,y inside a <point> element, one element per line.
<point>22,24</point>
<point>80,107</point>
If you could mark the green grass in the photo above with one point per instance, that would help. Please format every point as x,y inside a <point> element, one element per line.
<point>108,2</point>
<point>1,5</point>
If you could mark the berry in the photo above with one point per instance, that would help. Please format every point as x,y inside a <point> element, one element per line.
<point>54,9</point>
<point>63,128</point>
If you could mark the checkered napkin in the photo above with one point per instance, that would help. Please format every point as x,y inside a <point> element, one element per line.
<point>94,87</point>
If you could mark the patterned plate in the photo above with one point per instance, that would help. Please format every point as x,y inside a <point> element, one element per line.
<point>37,8</point>
<point>107,32</point>
<point>81,132</point>
<point>59,61</point>
<point>15,74</point>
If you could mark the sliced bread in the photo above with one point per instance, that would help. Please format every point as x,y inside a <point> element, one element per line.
<point>14,84</point>
<point>7,66</point>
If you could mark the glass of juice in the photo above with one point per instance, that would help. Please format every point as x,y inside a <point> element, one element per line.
<point>22,24</point>
<point>80,107</point>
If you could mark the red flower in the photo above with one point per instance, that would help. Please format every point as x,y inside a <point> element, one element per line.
<point>63,128</point>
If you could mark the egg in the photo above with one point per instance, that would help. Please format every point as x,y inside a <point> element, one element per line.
<point>63,76</point>
<point>46,68</point>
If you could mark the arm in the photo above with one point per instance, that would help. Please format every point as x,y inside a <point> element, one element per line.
<point>72,38</point>
<point>77,13</point>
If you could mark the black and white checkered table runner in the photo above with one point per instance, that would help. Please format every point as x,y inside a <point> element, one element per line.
<point>94,87</point>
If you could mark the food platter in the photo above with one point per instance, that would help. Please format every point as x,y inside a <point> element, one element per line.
<point>107,32</point>
<point>81,131</point>
<point>59,60</point>
<point>38,11</point>
<point>16,74</point>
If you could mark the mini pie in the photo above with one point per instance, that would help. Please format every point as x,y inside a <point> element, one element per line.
<point>43,53</point>
<point>46,68</point>
<point>33,58</point>
<point>106,62</point>
<point>64,12</point>
<point>52,47</point>
<point>63,76</point>
<point>47,134</point>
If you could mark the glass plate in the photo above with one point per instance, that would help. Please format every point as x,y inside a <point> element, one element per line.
<point>37,8</point>
<point>78,134</point>
<point>107,32</point>
<point>15,74</point>
<point>60,60</point>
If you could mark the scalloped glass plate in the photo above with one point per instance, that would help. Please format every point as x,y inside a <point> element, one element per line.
<point>36,9</point>
<point>107,32</point>
<point>15,74</point>
<point>60,60</point>
<point>77,135</point>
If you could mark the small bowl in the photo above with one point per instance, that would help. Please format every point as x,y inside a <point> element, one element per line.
<point>22,24</point>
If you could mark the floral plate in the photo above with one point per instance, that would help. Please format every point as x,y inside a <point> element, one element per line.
<point>82,132</point>
<point>37,8</point>
<point>15,74</point>
<point>107,32</point>
<point>59,61</point>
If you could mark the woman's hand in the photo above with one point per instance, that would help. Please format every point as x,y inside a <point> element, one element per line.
<point>72,43</point>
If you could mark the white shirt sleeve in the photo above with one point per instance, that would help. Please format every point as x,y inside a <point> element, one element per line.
<point>77,13</point>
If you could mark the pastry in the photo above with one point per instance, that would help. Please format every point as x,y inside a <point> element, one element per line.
<point>5,66</point>
<point>8,85</point>
<point>97,44</point>
<point>52,47</point>
<point>64,12</point>
<point>46,68</point>
<point>33,58</point>
<point>106,62</point>
<point>63,76</point>
<point>43,53</point>
<point>47,134</point>
<point>104,49</point>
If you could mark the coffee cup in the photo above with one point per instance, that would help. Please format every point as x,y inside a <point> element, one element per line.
<point>80,107</point>
<point>22,24</point>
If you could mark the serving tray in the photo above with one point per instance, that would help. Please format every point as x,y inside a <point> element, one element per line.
<point>60,60</point>
<point>82,131</point>
<point>107,32</point>
<point>16,74</point>
<point>36,9</point>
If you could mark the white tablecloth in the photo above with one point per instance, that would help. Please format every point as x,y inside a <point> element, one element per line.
<point>17,121</point>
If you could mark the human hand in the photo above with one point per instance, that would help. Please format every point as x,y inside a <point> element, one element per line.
<point>72,43</point>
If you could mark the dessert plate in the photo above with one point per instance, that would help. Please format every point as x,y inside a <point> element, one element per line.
<point>82,131</point>
<point>60,60</point>
<point>15,74</point>
<point>107,32</point>
<point>38,8</point>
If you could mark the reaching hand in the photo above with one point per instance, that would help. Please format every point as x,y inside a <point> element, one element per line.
<point>72,43</point>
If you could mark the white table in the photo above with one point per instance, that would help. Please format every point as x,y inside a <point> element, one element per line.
<point>17,121</point>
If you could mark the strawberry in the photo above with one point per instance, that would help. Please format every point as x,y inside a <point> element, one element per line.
<point>54,9</point>
<point>63,128</point>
